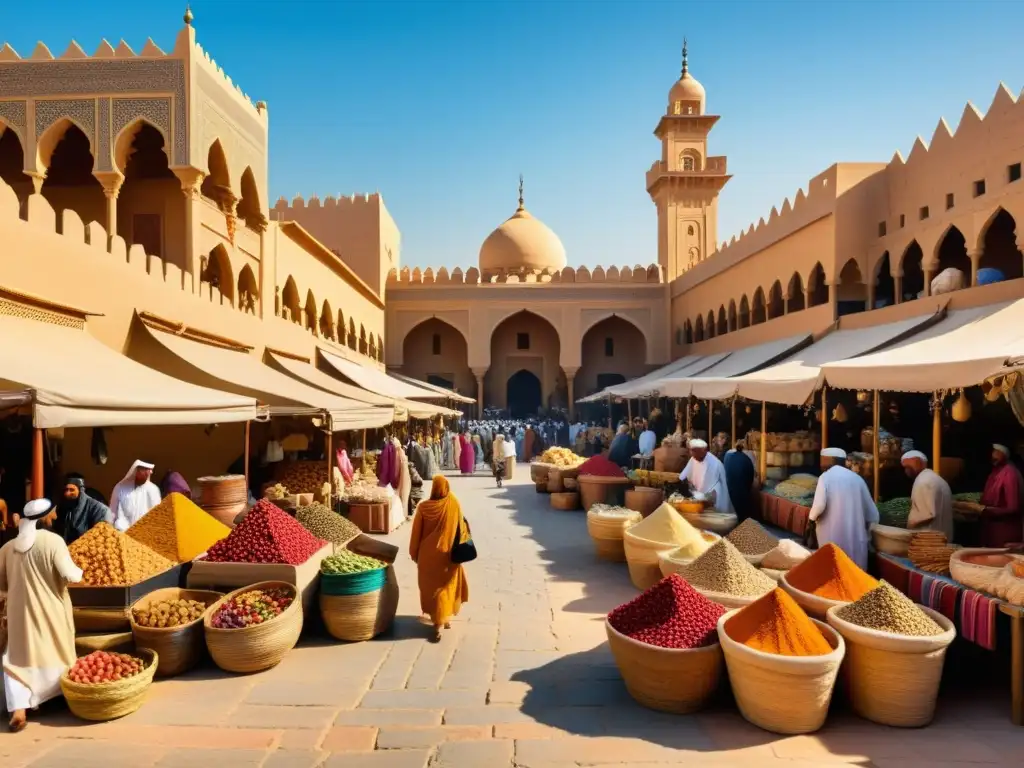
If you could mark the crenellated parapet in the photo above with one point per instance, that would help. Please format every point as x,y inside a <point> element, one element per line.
<point>283,208</point>
<point>417,277</point>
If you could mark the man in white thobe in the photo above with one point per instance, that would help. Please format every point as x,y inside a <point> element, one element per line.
<point>705,473</point>
<point>648,441</point>
<point>843,508</point>
<point>134,496</point>
<point>931,500</point>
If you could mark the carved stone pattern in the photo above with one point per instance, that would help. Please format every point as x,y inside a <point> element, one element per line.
<point>13,113</point>
<point>60,78</point>
<point>82,111</point>
<point>26,312</point>
<point>156,111</point>
<point>103,159</point>
<point>227,107</point>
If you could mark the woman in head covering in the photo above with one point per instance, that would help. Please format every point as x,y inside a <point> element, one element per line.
<point>34,571</point>
<point>467,456</point>
<point>498,458</point>
<point>443,585</point>
<point>77,513</point>
<point>173,482</point>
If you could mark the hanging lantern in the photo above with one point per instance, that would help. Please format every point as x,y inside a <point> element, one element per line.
<point>962,408</point>
<point>839,414</point>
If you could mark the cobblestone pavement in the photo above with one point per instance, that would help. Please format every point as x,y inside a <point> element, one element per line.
<point>524,679</point>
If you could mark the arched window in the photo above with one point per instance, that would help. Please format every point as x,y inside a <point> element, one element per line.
<point>687,163</point>
<point>689,230</point>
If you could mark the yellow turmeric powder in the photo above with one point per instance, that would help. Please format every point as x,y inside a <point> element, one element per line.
<point>776,624</point>
<point>831,574</point>
<point>177,529</point>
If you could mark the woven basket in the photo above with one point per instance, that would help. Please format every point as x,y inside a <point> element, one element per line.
<point>668,680</point>
<point>571,483</point>
<point>644,500</point>
<point>227,513</point>
<point>782,694</point>
<point>642,559</point>
<point>891,540</point>
<point>539,471</point>
<point>565,501</point>
<point>815,606</point>
<point>980,577</point>
<point>595,489</point>
<point>727,600</point>
<point>607,535</point>
<point>261,646</point>
<point>222,491</point>
<point>708,520</point>
<point>542,487</point>
<point>669,563</point>
<point>355,618</point>
<point>108,701</point>
<point>555,483</point>
<point>178,648</point>
<point>894,679</point>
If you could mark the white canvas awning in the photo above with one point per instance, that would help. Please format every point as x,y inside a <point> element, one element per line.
<point>741,361</point>
<point>241,372</point>
<point>77,381</point>
<point>375,381</point>
<point>643,386</point>
<point>793,380</point>
<point>963,349</point>
<point>441,391</point>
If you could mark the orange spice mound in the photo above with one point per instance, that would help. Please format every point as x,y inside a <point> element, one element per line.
<point>831,574</point>
<point>776,624</point>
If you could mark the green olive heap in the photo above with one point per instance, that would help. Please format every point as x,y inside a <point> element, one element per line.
<point>349,562</point>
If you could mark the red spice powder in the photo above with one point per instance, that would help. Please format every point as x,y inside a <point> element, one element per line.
<point>671,614</point>
<point>601,467</point>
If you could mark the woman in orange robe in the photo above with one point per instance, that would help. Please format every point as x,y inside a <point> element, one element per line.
<point>443,585</point>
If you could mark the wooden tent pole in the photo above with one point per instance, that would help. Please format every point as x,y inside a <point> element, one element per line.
<point>364,450</point>
<point>330,474</point>
<point>824,416</point>
<point>711,422</point>
<point>763,457</point>
<point>732,413</point>
<point>876,425</point>
<point>38,489</point>
<point>936,432</point>
<point>248,427</point>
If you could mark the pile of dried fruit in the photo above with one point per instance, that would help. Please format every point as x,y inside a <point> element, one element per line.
<point>109,558</point>
<point>102,667</point>
<point>751,538</point>
<point>276,492</point>
<point>168,613</point>
<point>303,476</point>
<point>671,614</point>
<point>599,466</point>
<point>326,524</point>
<point>886,609</point>
<point>266,535</point>
<point>346,562</point>
<point>724,570</point>
<point>254,607</point>
<point>560,457</point>
<point>177,529</point>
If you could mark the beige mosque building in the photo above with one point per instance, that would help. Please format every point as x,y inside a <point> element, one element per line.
<point>135,229</point>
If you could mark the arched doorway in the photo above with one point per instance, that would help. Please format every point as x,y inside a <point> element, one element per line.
<point>525,341</point>
<point>523,394</point>
<point>435,351</point>
<point>613,346</point>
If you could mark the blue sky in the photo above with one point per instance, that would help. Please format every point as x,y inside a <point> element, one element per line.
<point>441,105</point>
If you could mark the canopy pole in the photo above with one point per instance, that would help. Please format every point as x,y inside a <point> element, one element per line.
<point>824,416</point>
<point>689,415</point>
<point>611,416</point>
<point>38,490</point>
<point>876,417</point>
<point>248,426</point>
<point>711,422</point>
<point>732,426</point>
<point>936,431</point>
<point>329,437</point>
<point>763,457</point>
<point>364,450</point>
<point>629,412</point>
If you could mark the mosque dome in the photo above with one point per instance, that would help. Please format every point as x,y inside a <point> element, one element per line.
<point>522,243</point>
<point>686,91</point>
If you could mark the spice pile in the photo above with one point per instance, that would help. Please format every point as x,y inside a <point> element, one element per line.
<point>724,570</point>
<point>346,563</point>
<point>830,574</point>
<point>560,457</point>
<point>326,524</point>
<point>671,614</point>
<point>303,476</point>
<point>666,526</point>
<point>254,607</point>
<point>168,613</point>
<point>102,667</point>
<point>776,624</point>
<point>266,535</point>
<point>787,553</point>
<point>930,552</point>
<point>108,558</point>
<point>886,609</point>
<point>750,538</point>
<point>611,512</point>
<point>177,529</point>
<point>599,466</point>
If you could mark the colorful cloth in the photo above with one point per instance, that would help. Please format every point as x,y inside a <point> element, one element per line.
<point>978,619</point>
<point>467,455</point>
<point>442,583</point>
<point>934,593</point>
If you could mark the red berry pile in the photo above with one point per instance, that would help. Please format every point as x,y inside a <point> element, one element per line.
<point>103,667</point>
<point>600,466</point>
<point>254,607</point>
<point>266,535</point>
<point>671,614</point>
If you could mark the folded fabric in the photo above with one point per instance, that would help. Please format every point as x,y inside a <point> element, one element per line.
<point>978,619</point>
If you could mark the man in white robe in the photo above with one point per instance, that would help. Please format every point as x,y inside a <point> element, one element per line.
<point>843,509</point>
<point>931,500</point>
<point>134,496</point>
<point>705,473</point>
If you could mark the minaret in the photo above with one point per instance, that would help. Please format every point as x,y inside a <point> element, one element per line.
<point>685,183</point>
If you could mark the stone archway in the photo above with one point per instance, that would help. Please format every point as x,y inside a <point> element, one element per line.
<point>435,350</point>
<point>524,340</point>
<point>612,346</point>
<point>523,394</point>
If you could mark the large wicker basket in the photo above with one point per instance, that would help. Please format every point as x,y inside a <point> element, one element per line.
<point>642,559</point>
<point>669,562</point>
<point>539,471</point>
<point>607,535</point>
<point>894,679</point>
<point>727,600</point>
<point>644,500</point>
<point>567,501</point>
<point>178,648</point>
<point>596,489</point>
<point>108,701</point>
<point>261,646</point>
<point>973,575</point>
<point>355,618</point>
<point>814,605</point>
<point>222,491</point>
<point>890,539</point>
<point>782,694</point>
<point>665,679</point>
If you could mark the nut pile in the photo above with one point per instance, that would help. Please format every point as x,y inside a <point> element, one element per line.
<point>671,614</point>
<point>326,524</point>
<point>346,563</point>
<point>177,529</point>
<point>168,613</point>
<point>254,607</point>
<point>276,492</point>
<point>886,609</point>
<point>303,476</point>
<point>930,552</point>
<point>109,558</point>
<point>102,667</point>
<point>751,538</point>
<point>266,535</point>
<point>723,569</point>
<point>560,457</point>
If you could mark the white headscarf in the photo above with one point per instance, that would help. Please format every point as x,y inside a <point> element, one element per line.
<point>32,513</point>
<point>127,494</point>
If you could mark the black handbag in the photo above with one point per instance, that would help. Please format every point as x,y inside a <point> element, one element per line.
<point>465,551</point>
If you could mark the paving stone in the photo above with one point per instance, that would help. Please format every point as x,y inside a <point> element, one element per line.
<point>412,738</point>
<point>387,717</point>
<point>386,758</point>
<point>429,668</point>
<point>423,699</point>
<point>95,754</point>
<point>222,758</point>
<point>395,670</point>
<point>295,758</point>
<point>306,694</point>
<point>600,749</point>
<point>276,716</point>
<point>349,738</point>
<point>492,753</point>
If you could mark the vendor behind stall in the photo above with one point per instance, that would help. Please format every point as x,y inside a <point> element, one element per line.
<point>134,496</point>
<point>705,474</point>
<point>843,508</point>
<point>1001,520</point>
<point>739,478</point>
<point>77,513</point>
<point>931,501</point>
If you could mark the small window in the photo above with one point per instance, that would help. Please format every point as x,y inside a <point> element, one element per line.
<point>1013,173</point>
<point>689,230</point>
<point>923,213</point>
<point>687,163</point>
<point>903,221</point>
<point>881,229</point>
<point>609,347</point>
<point>950,200</point>
<point>979,188</point>
<point>437,343</point>
<point>522,341</point>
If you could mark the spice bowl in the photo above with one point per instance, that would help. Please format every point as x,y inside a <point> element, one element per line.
<point>894,679</point>
<point>642,558</point>
<point>727,600</point>
<point>782,694</point>
<point>680,681</point>
<point>816,607</point>
<point>607,533</point>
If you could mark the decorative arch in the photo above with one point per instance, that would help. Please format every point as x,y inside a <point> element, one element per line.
<point>372,347</point>
<point>248,290</point>
<point>688,332</point>
<point>612,346</point>
<point>124,142</point>
<point>525,339</point>
<point>309,311</point>
<point>216,273</point>
<point>817,288</point>
<point>998,244</point>
<point>249,209</point>
<point>593,321</point>
<point>353,340</point>
<point>776,302</point>
<point>363,346</point>
<point>698,329</point>
<point>796,300</point>
<point>65,151</point>
<point>149,194</point>
<point>951,253</point>
<point>290,309</point>
<point>851,291</point>
<point>690,160</point>
<point>380,348</point>
<point>341,327</point>
<point>435,348</point>
<point>12,161</point>
<point>216,185</point>
<point>911,267</point>
<point>723,321</point>
<point>885,286</point>
<point>733,317</point>
<point>709,325</point>
<point>744,316</point>
<point>758,313</point>
<point>327,321</point>
<point>540,311</point>
<point>48,141</point>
